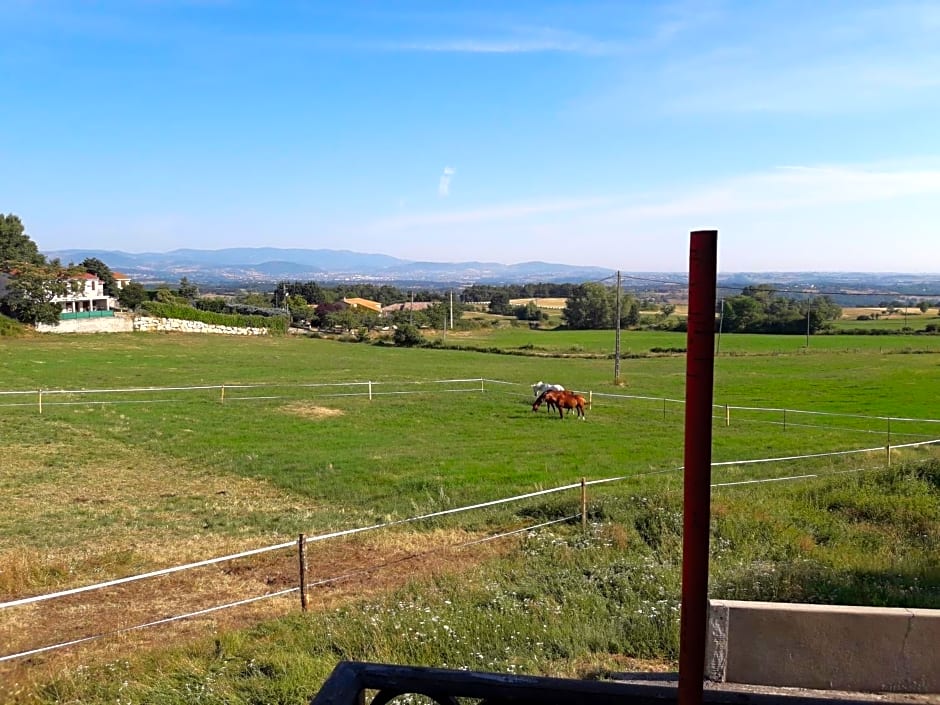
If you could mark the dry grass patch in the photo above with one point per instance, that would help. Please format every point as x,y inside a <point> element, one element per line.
<point>311,411</point>
<point>70,519</point>
<point>542,302</point>
<point>339,571</point>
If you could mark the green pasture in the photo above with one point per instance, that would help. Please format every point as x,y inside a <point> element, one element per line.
<point>521,339</point>
<point>562,602</point>
<point>915,321</point>
<point>420,446</point>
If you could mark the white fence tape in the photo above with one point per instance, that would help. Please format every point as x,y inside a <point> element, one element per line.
<point>280,593</point>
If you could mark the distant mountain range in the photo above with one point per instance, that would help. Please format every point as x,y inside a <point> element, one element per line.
<point>249,265</point>
<point>260,266</point>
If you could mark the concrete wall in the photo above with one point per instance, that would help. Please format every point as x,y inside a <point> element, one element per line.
<point>830,647</point>
<point>110,324</point>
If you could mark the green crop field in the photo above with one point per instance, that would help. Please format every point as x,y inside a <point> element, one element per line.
<point>125,470</point>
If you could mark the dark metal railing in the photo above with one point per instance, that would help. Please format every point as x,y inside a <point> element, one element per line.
<point>354,683</point>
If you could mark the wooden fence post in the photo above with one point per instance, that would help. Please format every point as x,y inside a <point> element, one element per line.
<point>727,415</point>
<point>222,397</point>
<point>40,402</point>
<point>591,399</point>
<point>888,454</point>
<point>302,560</point>
<point>664,408</point>
<point>583,505</point>
<point>784,419</point>
<point>889,432</point>
<point>370,390</point>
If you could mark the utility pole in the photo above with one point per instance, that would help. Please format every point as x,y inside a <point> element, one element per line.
<point>809,305</point>
<point>451,309</point>
<point>617,336</point>
<point>721,323</point>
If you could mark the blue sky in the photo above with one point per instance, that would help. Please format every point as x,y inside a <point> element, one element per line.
<point>807,133</point>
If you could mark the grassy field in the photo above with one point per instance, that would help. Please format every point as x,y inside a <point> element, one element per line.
<point>155,478</point>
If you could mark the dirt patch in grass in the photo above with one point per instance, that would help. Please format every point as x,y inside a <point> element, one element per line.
<point>338,571</point>
<point>312,411</point>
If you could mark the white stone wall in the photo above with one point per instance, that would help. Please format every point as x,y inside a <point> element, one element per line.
<point>150,324</point>
<point>146,324</point>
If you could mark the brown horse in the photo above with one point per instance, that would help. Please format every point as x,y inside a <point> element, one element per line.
<point>562,401</point>
<point>548,398</point>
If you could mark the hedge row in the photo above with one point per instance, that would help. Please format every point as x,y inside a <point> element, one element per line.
<point>275,324</point>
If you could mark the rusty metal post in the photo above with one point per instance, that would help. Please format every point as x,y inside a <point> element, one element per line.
<point>699,386</point>
<point>302,560</point>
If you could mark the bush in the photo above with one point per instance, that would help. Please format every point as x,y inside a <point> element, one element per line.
<point>863,317</point>
<point>11,327</point>
<point>188,313</point>
<point>408,336</point>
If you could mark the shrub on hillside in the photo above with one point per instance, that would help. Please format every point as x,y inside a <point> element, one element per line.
<point>188,313</point>
<point>408,336</point>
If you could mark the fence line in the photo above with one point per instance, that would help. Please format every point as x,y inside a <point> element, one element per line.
<point>276,547</point>
<point>424,517</point>
<point>165,620</point>
<point>373,568</point>
<point>280,593</point>
<point>741,408</point>
<point>369,384</point>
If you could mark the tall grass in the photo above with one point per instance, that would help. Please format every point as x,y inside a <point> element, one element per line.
<point>565,602</point>
<point>96,491</point>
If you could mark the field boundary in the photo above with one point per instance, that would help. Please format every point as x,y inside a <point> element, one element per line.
<point>373,388</point>
<point>304,540</point>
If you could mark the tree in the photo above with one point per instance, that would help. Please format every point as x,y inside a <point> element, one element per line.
<point>165,296</point>
<point>256,298</point>
<point>15,245</point>
<point>529,312</point>
<point>590,306</point>
<point>188,290</point>
<point>499,303</point>
<point>924,306</point>
<point>742,314</point>
<point>408,336</point>
<point>29,292</point>
<point>629,311</point>
<point>95,266</point>
<point>132,295</point>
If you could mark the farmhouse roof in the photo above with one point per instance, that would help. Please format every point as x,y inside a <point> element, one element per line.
<point>357,302</point>
<point>407,306</point>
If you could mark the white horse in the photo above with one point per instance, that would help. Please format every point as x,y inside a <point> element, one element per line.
<point>540,388</point>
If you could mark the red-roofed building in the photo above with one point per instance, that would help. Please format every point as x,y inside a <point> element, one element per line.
<point>87,295</point>
<point>120,280</point>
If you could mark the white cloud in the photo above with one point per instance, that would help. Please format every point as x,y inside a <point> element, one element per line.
<point>838,217</point>
<point>443,186</point>
<point>782,188</point>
